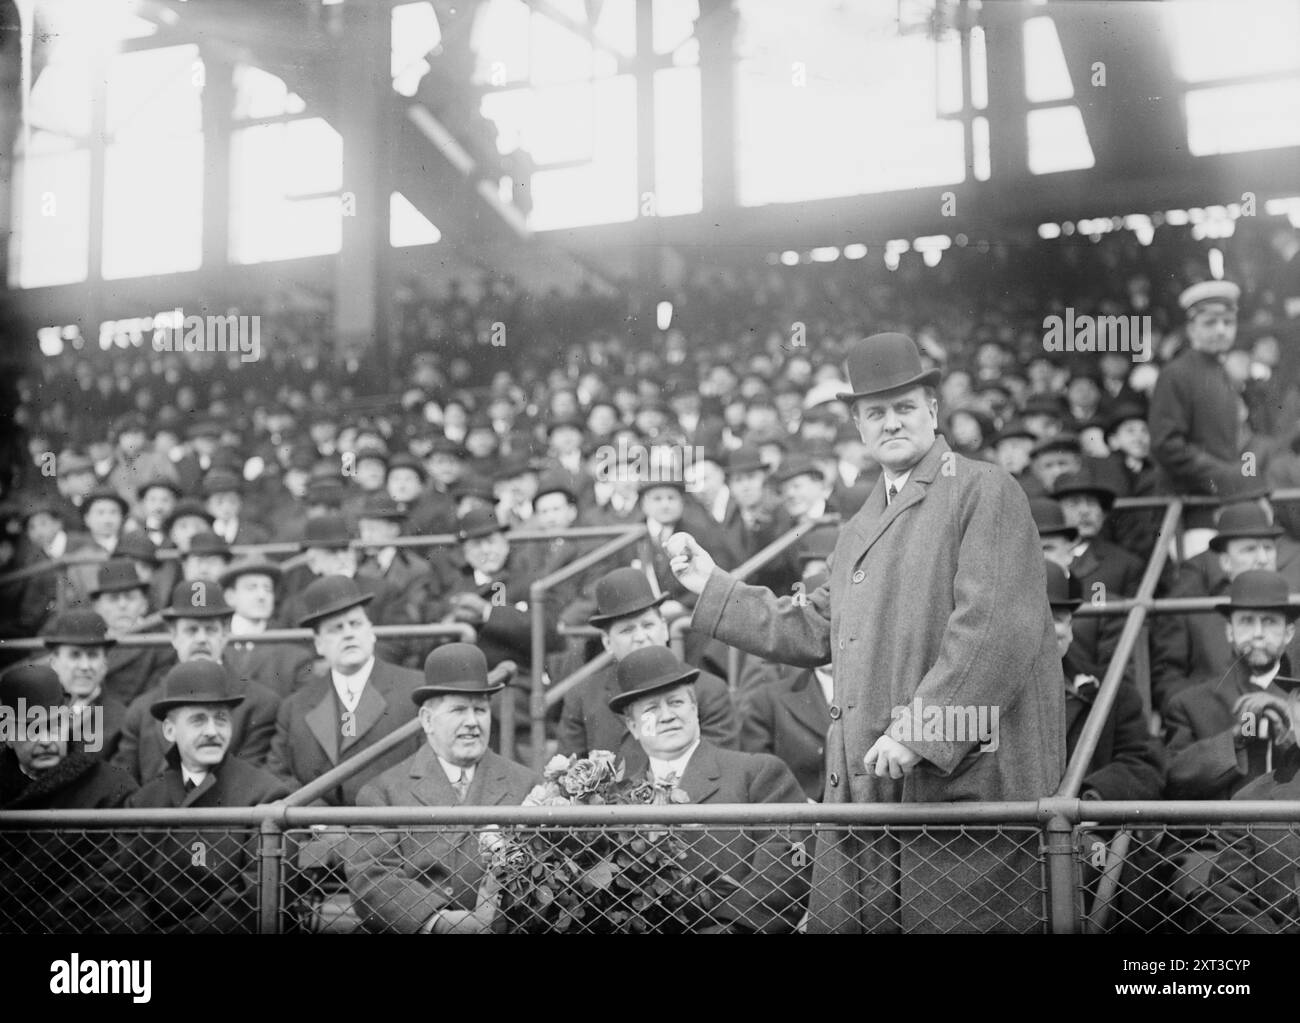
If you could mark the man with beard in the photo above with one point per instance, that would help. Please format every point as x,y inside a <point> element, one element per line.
<point>198,620</point>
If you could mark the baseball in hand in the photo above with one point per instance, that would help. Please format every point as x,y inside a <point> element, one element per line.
<point>689,561</point>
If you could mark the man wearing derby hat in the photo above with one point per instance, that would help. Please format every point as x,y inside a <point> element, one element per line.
<point>430,883</point>
<point>103,513</point>
<point>223,493</point>
<point>120,597</point>
<point>1246,540</point>
<point>1196,411</point>
<point>248,586</point>
<point>199,881</point>
<point>48,885</point>
<point>629,617</point>
<point>198,621</point>
<point>395,572</point>
<point>935,595</point>
<point>360,699</point>
<point>79,643</point>
<point>655,694</point>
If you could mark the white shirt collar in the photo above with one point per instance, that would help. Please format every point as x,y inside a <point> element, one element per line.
<point>197,778</point>
<point>660,769</point>
<point>827,682</point>
<point>899,482</point>
<point>87,701</point>
<point>241,626</point>
<point>58,546</point>
<point>481,578</point>
<point>817,510</point>
<point>349,686</point>
<point>1265,680</point>
<point>454,771</point>
<point>384,559</point>
<point>719,507</point>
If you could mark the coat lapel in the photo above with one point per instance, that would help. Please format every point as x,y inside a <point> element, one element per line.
<point>323,723</point>
<point>879,516</point>
<point>369,711</point>
<point>702,774</point>
<point>491,782</point>
<point>429,784</point>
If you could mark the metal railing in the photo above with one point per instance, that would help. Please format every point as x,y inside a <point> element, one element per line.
<point>1054,865</point>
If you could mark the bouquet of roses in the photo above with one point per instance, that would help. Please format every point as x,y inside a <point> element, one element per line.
<point>600,881</point>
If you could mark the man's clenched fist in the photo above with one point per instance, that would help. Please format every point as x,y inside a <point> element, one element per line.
<point>689,561</point>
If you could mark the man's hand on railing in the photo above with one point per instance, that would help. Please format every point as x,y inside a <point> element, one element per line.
<point>690,562</point>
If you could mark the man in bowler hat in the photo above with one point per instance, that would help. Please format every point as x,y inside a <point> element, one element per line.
<point>935,600</point>
<point>413,882</point>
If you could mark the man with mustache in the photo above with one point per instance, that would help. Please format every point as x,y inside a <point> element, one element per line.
<point>50,885</point>
<point>198,881</point>
<point>430,883</point>
<point>198,619</point>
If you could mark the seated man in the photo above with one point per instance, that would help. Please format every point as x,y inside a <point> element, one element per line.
<point>78,643</point>
<point>199,622</point>
<point>248,586</point>
<point>120,597</point>
<point>420,882</point>
<point>200,881</point>
<point>359,701</point>
<point>629,617</point>
<point>655,694</point>
<point>51,883</point>
<point>1128,762</point>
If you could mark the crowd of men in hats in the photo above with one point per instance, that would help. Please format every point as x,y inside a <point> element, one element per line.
<point>909,579</point>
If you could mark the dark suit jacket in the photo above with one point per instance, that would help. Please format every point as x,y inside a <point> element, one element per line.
<point>280,667</point>
<point>1204,761</point>
<point>401,878</point>
<point>1110,566</point>
<point>172,892</point>
<point>309,737</point>
<point>587,723</point>
<point>769,867</point>
<point>141,751</point>
<point>1253,886</point>
<point>788,717</point>
<point>1129,762</point>
<point>133,669</point>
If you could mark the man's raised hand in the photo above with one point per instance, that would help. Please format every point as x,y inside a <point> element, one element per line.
<point>689,561</point>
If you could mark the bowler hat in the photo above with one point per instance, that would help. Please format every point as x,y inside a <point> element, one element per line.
<point>195,682</point>
<point>166,482</point>
<point>1057,442</point>
<point>379,505</point>
<point>1246,520</point>
<point>187,507</point>
<point>1064,592</point>
<point>745,458</point>
<point>797,464</point>
<point>646,671</point>
<point>1043,405</point>
<point>478,522</point>
<point>374,451</point>
<point>254,565</point>
<point>407,461</point>
<point>137,545</point>
<point>209,545</point>
<point>473,485</point>
<point>455,668</point>
<point>329,595</point>
<point>329,532</point>
<point>555,481</point>
<point>104,493</point>
<point>220,481</point>
<point>1013,428</point>
<point>1050,519</point>
<point>1122,413</point>
<point>622,593</point>
<point>1084,482</point>
<point>78,628</point>
<point>885,362</point>
<point>647,485</point>
<point>197,598</point>
<point>117,575</point>
<point>1259,590</point>
<point>36,685</point>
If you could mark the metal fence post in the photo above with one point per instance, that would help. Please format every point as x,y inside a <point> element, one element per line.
<point>1062,873</point>
<point>270,862</point>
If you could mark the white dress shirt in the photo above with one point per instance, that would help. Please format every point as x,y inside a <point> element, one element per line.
<point>454,772</point>
<point>661,769</point>
<point>349,686</point>
<point>197,777</point>
<point>898,483</point>
<point>58,546</point>
<point>1265,680</point>
<point>827,682</point>
<point>241,626</point>
<point>718,510</point>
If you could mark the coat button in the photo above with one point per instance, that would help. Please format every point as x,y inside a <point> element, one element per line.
<point>841,644</point>
<point>834,779</point>
<point>821,750</point>
<point>835,712</point>
<point>859,575</point>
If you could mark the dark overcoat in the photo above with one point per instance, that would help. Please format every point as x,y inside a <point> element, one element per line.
<point>940,597</point>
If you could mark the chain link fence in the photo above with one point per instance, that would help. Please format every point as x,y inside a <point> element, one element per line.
<point>683,869</point>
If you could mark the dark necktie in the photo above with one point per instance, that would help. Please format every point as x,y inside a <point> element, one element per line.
<point>892,493</point>
<point>189,785</point>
